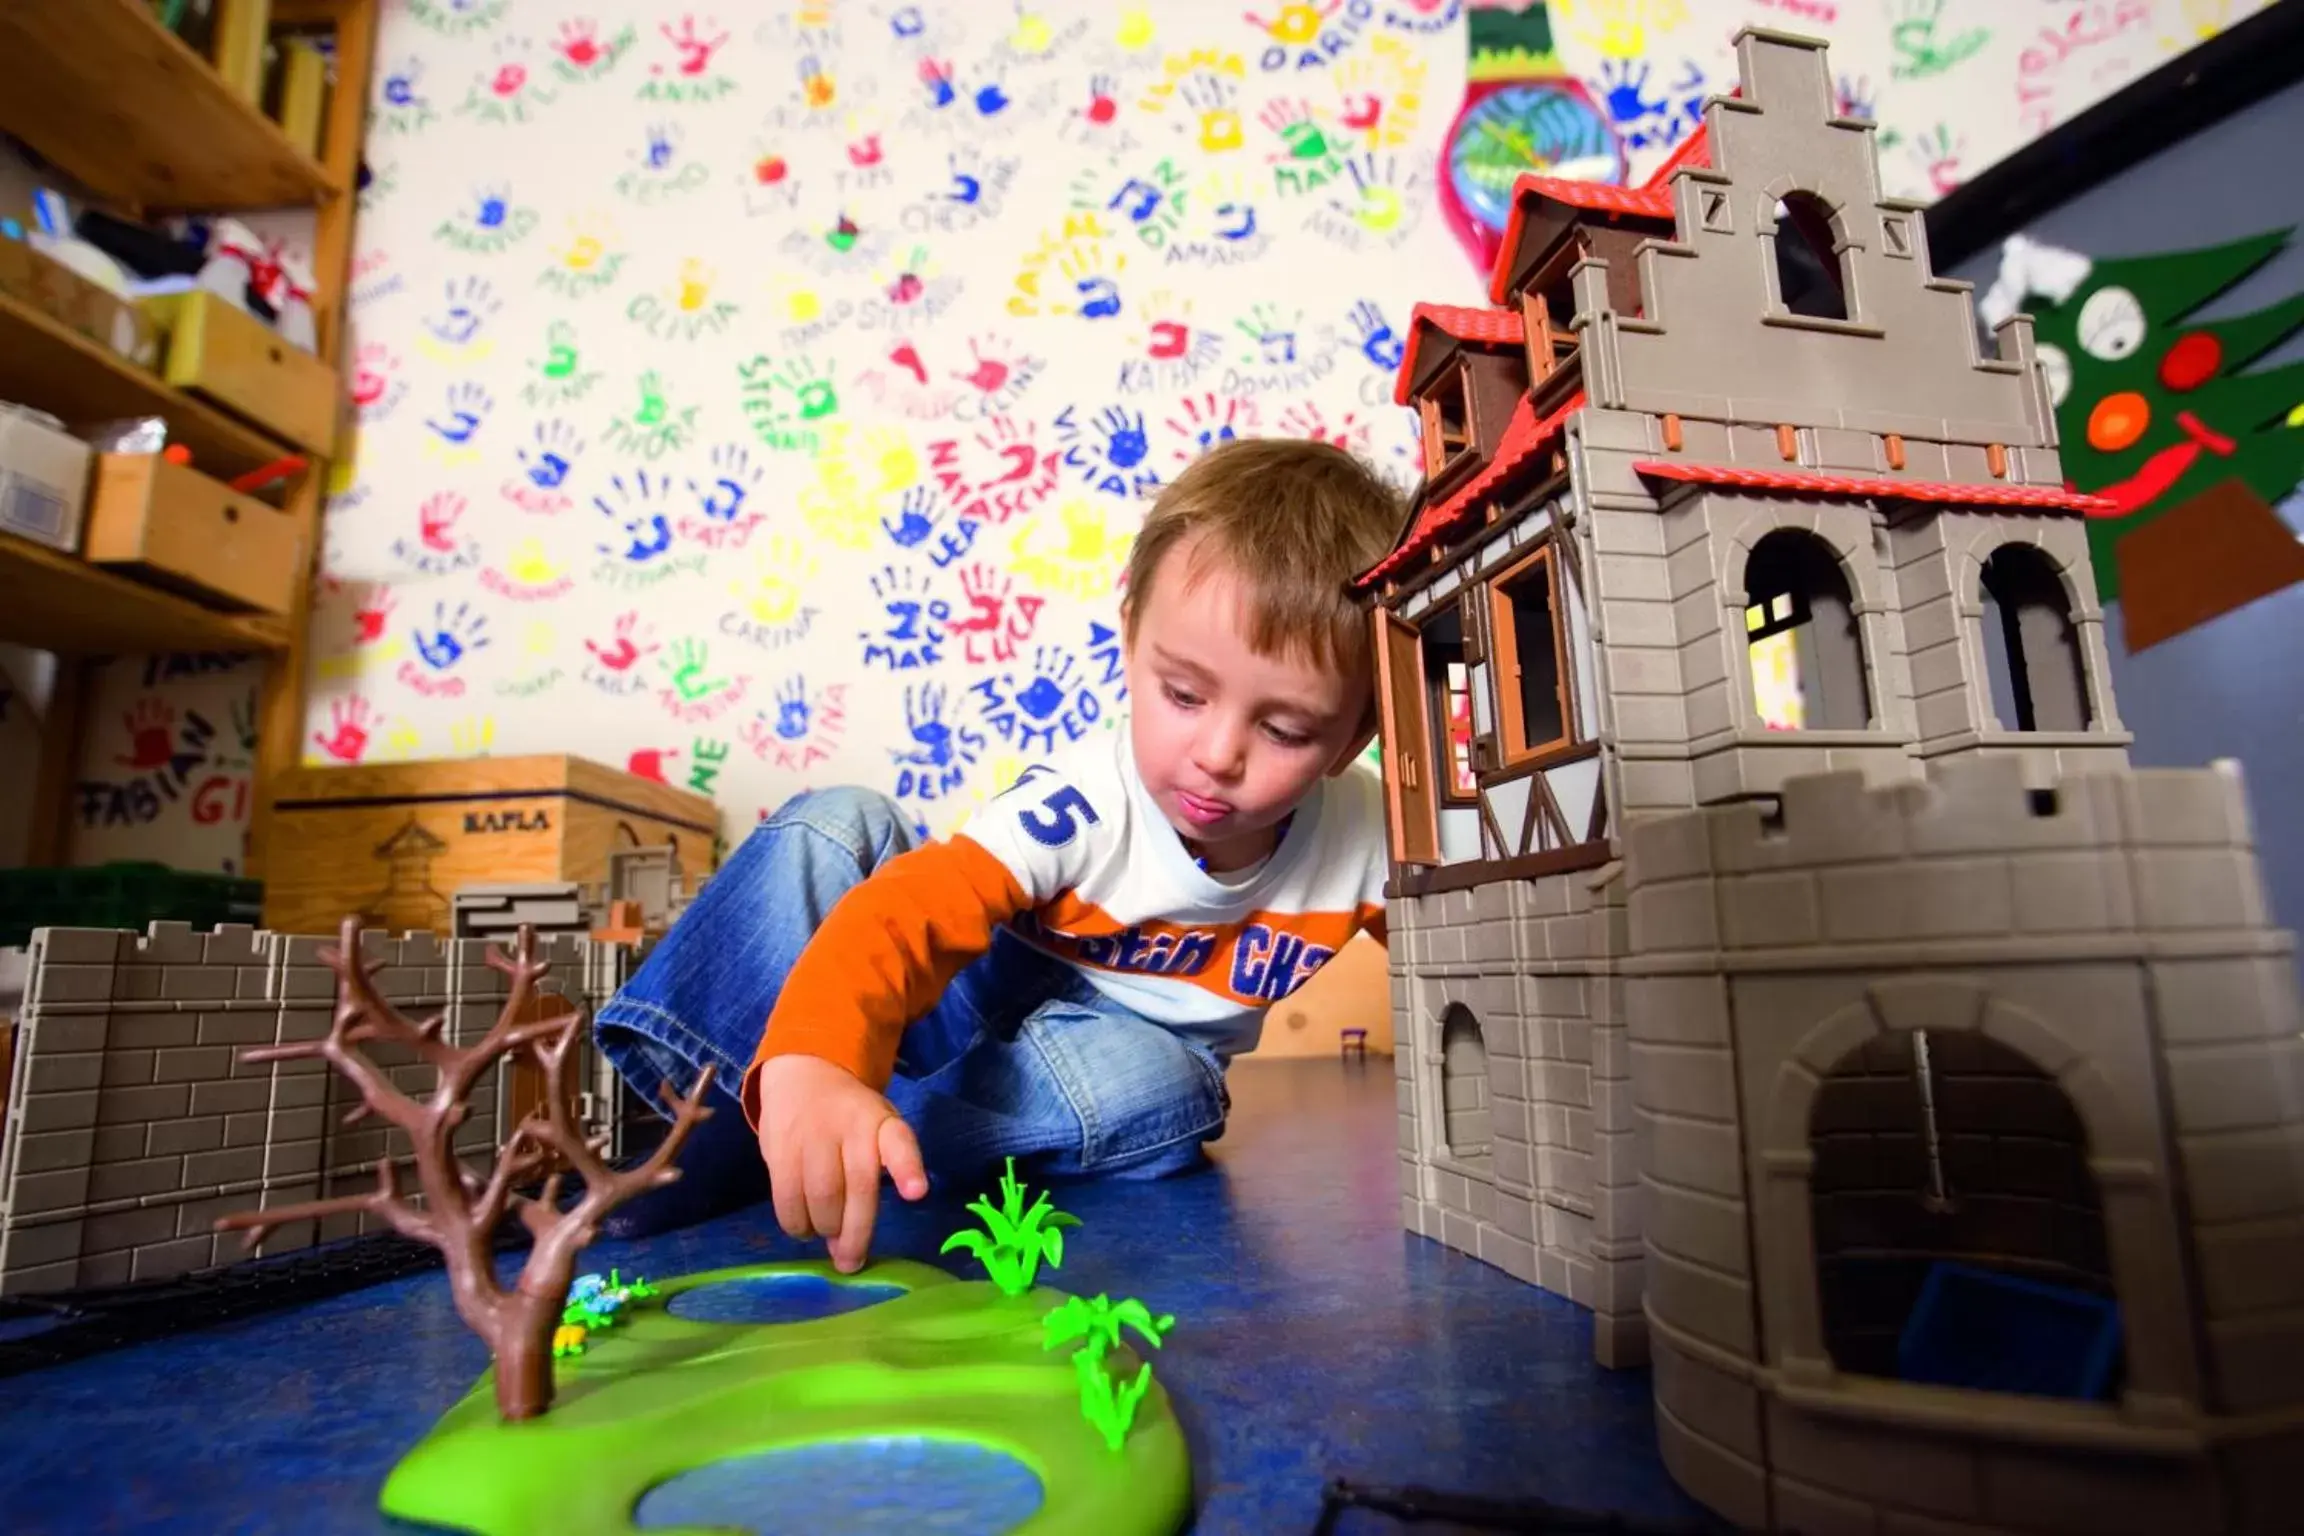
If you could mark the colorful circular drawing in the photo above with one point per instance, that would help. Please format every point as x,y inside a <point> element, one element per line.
<point>1510,128</point>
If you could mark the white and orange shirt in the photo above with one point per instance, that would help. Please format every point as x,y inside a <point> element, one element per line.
<point>1078,861</point>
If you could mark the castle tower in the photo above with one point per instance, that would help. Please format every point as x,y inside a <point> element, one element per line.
<point>1734,545</point>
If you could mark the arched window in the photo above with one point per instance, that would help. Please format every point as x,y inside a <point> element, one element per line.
<point>1464,1085</point>
<point>1806,656</point>
<point>2031,646</point>
<point>1959,1236</point>
<point>1811,277</point>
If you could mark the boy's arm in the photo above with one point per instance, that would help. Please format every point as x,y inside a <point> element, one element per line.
<point>885,953</point>
<point>888,948</point>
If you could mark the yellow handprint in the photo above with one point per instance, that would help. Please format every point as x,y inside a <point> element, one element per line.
<point>1622,25</point>
<point>586,245</point>
<point>1032,34</point>
<point>895,463</point>
<point>1220,130</point>
<point>1135,28</point>
<point>1085,559</point>
<point>537,641</point>
<point>773,595</point>
<point>402,741</point>
<point>474,736</point>
<point>695,284</point>
<point>530,566</point>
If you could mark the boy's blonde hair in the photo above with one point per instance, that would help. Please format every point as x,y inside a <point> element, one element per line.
<point>1296,521</point>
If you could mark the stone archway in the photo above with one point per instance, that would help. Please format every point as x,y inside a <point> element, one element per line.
<point>1465,1122</point>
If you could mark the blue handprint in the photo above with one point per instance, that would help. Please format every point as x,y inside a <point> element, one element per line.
<point>400,84</point>
<point>991,101</point>
<point>967,187</point>
<point>663,141</point>
<point>1275,341</point>
<point>452,636</point>
<point>916,517</point>
<point>1621,83</point>
<point>470,301</point>
<point>793,716</point>
<point>491,205</point>
<point>555,450</point>
<point>1137,198</point>
<point>1124,441</point>
<point>638,516</point>
<point>735,477</point>
<point>1376,340</point>
<point>1235,221</point>
<point>1053,682</point>
<point>1099,297</point>
<point>468,408</point>
<point>934,746</point>
<point>906,22</point>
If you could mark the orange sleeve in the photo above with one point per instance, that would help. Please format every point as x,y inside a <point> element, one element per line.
<point>882,958</point>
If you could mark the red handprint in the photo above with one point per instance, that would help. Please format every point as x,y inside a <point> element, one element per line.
<point>436,521</point>
<point>1362,112</point>
<point>988,374</point>
<point>349,720</point>
<point>648,763</point>
<point>623,652</point>
<point>865,151</point>
<point>372,368</point>
<point>151,734</point>
<point>1103,104</point>
<point>369,618</point>
<point>907,357</point>
<point>694,49</point>
<point>984,604</point>
<point>579,42</point>
<point>509,78</point>
<point>1170,339</point>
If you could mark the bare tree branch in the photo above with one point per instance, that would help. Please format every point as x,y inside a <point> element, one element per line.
<point>384,1200</point>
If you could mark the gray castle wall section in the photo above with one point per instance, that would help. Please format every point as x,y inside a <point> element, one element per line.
<point>133,1124</point>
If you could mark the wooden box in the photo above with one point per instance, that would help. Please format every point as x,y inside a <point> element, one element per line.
<point>175,527</point>
<point>393,841</point>
<point>229,356</point>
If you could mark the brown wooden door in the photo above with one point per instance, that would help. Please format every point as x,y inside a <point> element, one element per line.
<point>1409,792</point>
<point>526,1094</point>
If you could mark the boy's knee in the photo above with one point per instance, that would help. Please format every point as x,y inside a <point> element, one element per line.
<point>849,814</point>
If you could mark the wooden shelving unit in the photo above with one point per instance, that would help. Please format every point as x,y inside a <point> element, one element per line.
<point>117,101</point>
<point>102,91</point>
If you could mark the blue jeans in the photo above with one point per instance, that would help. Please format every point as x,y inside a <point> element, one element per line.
<point>1022,1057</point>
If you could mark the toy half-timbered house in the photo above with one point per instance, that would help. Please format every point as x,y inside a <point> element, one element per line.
<point>1782,947</point>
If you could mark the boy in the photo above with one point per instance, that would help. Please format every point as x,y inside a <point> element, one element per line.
<point>1065,978</point>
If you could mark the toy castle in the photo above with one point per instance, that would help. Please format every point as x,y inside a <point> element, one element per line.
<point>1787,965</point>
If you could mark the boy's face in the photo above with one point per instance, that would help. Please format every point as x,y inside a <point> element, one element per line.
<point>1229,741</point>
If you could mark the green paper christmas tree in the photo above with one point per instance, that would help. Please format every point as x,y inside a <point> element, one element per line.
<point>2160,413</point>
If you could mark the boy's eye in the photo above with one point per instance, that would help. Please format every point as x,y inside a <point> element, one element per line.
<point>1178,696</point>
<point>1285,738</point>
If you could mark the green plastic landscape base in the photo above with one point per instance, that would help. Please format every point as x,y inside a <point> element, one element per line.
<point>658,1395</point>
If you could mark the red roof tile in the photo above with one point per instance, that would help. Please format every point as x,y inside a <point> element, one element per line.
<point>1497,327</point>
<point>2050,497</point>
<point>1524,437</point>
<point>1593,196</point>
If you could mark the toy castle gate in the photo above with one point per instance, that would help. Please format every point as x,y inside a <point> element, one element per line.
<point>1787,964</point>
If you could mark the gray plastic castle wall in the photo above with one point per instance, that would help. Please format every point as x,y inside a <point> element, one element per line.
<point>132,1124</point>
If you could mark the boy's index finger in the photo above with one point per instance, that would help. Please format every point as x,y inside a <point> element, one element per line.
<point>861,1157</point>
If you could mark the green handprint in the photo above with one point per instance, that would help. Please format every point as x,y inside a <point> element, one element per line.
<point>560,350</point>
<point>818,400</point>
<point>652,406</point>
<point>1304,140</point>
<point>686,665</point>
<point>1914,39</point>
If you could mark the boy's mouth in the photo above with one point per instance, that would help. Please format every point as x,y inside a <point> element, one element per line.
<point>1201,813</point>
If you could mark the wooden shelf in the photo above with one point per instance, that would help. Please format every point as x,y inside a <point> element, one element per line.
<point>52,368</point>
<point>116,100</point>
<point>53,601</point>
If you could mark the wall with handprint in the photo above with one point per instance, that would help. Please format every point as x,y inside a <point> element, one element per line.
<point>761,395</point>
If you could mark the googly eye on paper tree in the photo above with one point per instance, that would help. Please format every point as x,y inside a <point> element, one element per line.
<point>2160,412</point>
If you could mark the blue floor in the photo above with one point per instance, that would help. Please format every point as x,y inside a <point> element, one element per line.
<point>1314,1340</point>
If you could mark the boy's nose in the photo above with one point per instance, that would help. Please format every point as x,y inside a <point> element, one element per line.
<point>1217,752</point>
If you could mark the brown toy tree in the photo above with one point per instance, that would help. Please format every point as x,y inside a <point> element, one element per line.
<point>460,1209</point>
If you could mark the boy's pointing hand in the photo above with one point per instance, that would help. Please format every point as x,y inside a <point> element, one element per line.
<point>825,1137</point>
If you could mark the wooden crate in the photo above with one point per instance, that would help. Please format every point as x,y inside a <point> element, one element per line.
<point>176,528</point>
<point>393,841</point>
<point>234,359</point>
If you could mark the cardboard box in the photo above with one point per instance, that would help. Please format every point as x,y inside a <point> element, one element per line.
<point>43,481</point>
<point>174,527</point>
<point>394,842</point>
<point>32,277</point>
<point>228,356</point>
